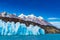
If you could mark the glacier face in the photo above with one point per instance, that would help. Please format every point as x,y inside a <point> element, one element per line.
<point>12,28</point>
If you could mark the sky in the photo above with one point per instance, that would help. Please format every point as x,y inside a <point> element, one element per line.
<point>48,9</point>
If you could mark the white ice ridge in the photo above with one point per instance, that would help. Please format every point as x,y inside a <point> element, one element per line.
<point>33,18</point>
<point>11,28</point>
<point>29,16</point>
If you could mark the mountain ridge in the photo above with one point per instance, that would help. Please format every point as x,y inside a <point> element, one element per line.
<point>48,28</point>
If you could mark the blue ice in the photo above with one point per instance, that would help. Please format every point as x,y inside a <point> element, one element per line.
<point>12,28</point>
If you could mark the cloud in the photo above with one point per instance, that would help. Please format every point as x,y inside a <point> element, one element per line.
<point>53,18</point>
<point>56,24</point>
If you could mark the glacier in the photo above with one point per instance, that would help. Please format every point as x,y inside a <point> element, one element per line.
<point>12,28</point>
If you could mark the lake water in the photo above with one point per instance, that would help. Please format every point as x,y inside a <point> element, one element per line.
<point>32,37</point>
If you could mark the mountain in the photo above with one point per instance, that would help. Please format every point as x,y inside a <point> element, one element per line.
<point>33,18</point>
<point>30,19</point>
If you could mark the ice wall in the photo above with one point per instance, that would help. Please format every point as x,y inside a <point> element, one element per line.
<point>12,28</point>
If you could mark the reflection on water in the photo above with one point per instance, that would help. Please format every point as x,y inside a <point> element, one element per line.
<point>11,28</point>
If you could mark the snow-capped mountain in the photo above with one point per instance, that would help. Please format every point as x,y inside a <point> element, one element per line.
<point>5,14</point>
<point>30,19</point>
<point>39,20</point>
